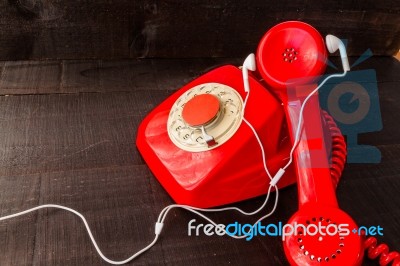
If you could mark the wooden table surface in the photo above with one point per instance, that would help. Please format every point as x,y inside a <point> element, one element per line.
<point>67,136</point>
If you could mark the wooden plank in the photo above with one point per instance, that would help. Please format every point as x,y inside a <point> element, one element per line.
<point>102,29</point>
<point>106,76</point>
<point>73,76</point>
<point>128,75</point>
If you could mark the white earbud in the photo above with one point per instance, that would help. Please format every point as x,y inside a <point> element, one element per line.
<point>248,64</point>
<point>333,43</point>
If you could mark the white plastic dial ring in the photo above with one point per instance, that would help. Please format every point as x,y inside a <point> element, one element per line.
<point>222,128</point>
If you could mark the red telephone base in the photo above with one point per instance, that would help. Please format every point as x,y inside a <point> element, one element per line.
<point>231,172</point>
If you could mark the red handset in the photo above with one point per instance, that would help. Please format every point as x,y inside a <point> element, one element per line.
<point>289,57</point>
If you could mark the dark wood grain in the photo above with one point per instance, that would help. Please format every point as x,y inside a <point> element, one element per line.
<point>27,77</point>
<point>73,76</point>
<point>44,29</point>
<point>67,136</point>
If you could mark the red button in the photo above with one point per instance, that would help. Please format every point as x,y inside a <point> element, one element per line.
<point>200,110</point>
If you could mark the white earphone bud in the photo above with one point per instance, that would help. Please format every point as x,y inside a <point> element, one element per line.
<point>333,43</point>
<point>248,64</point>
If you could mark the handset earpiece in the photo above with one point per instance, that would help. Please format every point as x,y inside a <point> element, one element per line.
<point>248,64</point>
<point>333,43</point>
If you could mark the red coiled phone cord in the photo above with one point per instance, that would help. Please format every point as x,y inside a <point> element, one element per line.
<point>381,251</point>
<point>339,150</point>
<point>338,160</point>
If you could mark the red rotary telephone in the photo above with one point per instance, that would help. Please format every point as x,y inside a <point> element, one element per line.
<point>200,151</point>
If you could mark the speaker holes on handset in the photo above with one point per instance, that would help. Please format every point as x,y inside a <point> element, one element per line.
<point>290,55</point>
<point>304,240</point>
